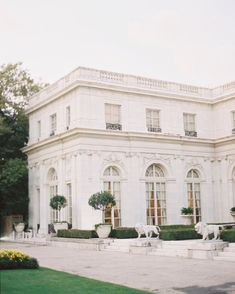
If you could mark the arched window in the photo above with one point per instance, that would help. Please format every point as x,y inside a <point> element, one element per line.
<point>155,195</point>
<point>53,190</point>
<point>194,194</point>
<point>112,185</point>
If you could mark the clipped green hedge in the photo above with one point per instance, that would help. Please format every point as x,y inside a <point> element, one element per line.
<point>14,259</point>
<point>124,233</point>
<point>74,233</point>
<point>172,232</point>
<point>228,235</point>
<point>179,234</point>
<point>176,227</point>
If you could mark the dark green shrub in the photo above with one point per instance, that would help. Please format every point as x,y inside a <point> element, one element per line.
<point>14,259</point>
<point>228,235</point>
<point>75,233</point>
<point>187,210</point>
<point>176,227</point>
<point>179,234</point>
<point>130,232</point>
<point>123,233</point>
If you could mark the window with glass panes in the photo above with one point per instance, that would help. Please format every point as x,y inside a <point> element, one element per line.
<point>68,118</point>
<point>189,122</point>
<point>112,185</point>
<point>194,194</point>
<point>155,196</point>
<point>233,121</point>
<point>153,120</point>
<point>39,128</point>
<point>53,123</point>
<point>113,116</point>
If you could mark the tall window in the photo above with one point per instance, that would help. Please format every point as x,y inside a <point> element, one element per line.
<point>39,128</point>
<point>69,200</point>
<point>112,185</point>
<point>233,122</point>
<point>113,116</point>
<point>194,194</point>
<point>53,190</point>
<point>52,124</point>
<point>68,118</point>
<point>155,196</point>
<point>153,120</point>
<point>189,124</point>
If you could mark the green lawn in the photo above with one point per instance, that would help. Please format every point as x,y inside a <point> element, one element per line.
<point>47,281</point>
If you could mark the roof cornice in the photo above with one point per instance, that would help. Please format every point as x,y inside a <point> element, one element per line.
<point>130,84</point>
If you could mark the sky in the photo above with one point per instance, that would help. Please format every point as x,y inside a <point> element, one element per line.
<point>187,41</point>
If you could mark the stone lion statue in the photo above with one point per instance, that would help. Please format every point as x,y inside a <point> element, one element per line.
<point>147,230</point>
<point>204,230</point>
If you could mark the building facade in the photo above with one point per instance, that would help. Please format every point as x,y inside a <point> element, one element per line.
<point>157,146</point>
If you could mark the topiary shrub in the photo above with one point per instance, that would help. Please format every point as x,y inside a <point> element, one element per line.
<point>101,201</point>
<point>74,233</point>
<point>187,210</point>
<point>14,259</point>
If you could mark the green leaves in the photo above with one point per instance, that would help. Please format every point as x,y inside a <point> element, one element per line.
<point>102,200</point>
<point>14,187</point>
<point>57,202</point>
<point>16,86</point>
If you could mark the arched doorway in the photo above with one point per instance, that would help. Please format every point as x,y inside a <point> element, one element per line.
<point>155,195</point>
<point>194,193</point>
<point>112,185</point>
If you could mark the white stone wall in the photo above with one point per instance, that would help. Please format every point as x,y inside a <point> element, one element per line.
<point>81,154</point>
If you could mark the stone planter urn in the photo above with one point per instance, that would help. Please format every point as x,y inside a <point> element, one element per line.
<point>103,230</point>
<point>19,227</point>
<point>187,219</point>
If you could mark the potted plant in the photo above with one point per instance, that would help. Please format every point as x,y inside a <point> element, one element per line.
<point>187,215</point>
<point>57,202</point>
<point>232,211</point>
<point>101,201</point>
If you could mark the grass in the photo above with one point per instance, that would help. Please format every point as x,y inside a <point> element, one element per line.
<point>49,281</point>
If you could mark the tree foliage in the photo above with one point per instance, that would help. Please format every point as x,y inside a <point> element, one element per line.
<point>102,200</point>
<point>14,187</point>
<point>57,202</point>
<point>16,86</point>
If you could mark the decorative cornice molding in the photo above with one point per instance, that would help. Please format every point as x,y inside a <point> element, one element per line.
<point>95,133</point>
<point>131,84</point>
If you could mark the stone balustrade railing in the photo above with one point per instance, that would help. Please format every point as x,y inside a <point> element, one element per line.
<point>86,74</point>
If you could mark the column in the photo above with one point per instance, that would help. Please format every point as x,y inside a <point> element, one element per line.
<point>44,205</point>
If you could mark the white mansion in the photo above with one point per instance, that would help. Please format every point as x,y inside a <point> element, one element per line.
<point>157,146</point>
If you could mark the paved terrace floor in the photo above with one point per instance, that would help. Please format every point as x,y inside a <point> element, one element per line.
<point>161,275</point>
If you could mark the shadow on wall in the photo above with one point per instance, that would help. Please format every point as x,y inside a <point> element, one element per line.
<point>226,288</point>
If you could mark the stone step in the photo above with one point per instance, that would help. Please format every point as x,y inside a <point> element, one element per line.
<point>173,246</point>
<point>225,253</point>
<point>123,249</point>
<point>167,252</point>
<point>225,258</point>
<point>232,245</point>
<point>229,249</point>
<point>116,247</point>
